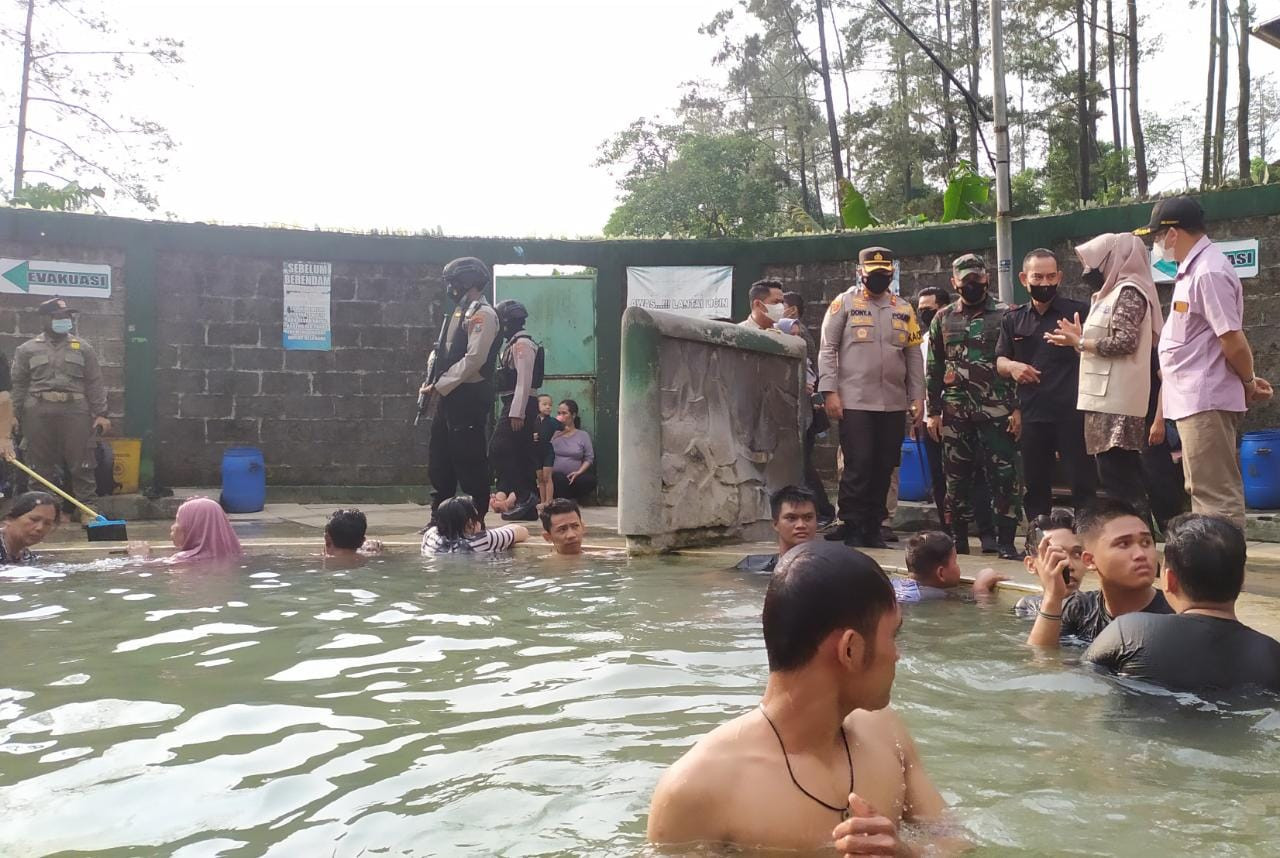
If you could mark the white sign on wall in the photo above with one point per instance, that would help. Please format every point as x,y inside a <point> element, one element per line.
<point>701,291</point>
<point>60,279</point>
<point>1243,256</point>
<point>306,306</point>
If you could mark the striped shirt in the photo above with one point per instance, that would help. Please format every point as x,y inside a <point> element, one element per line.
<point>498,539</point>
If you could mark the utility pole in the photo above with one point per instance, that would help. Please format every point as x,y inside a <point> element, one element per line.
<point>1004,201</point>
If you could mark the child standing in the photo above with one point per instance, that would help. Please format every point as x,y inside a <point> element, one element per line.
<point>547,427</point>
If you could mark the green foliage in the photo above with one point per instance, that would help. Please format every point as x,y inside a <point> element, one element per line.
<point>709,186</point>
<point>854,213</point>
<point>70,198</point>
<point>966,194</point>
<point>1026,193</point>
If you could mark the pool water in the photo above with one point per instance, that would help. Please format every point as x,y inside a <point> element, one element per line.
<point>520,707</point>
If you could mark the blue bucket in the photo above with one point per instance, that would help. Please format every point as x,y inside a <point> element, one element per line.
<point>914,481</point>
<point>1260,465</point>
<point>244,480</point>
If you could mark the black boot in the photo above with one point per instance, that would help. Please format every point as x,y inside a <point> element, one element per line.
<point>839,533</point>
<point>990,544</point>
<point>1005,534</point>
<point>527,510</point>
<point>960,533</point>
<point>872,537</point>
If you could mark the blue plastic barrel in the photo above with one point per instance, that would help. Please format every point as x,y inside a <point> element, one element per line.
<point>914,481</point>
<point>244,480</point>
<point>1260,464</point>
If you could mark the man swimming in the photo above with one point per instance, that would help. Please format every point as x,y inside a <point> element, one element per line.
<point>821,759</point>
<point>562,527</point>
<point>795,520</point>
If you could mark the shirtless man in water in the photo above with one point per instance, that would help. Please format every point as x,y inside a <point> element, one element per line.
<point>821,759</point>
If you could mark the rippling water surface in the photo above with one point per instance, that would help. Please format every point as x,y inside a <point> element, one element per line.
<point>518,707</point>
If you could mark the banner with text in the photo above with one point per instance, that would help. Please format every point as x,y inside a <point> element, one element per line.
<point>306,306</point>
<point>701,291</point>
<point>61,279</point>
<point>1242,254</point>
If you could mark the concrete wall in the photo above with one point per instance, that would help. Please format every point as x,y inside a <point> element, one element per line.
<point>712,417</point>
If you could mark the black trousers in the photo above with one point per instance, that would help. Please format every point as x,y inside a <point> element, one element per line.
<point>1120,473</point>
<point>512,453</point>
<point>580,488</point>
<point>871,442</point>
<point>1040,442</point>
<point>981,501</point>
<point>457,448</point>
<point>812,479</point>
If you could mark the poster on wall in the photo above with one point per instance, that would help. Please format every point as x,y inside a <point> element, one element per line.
<point>306,305</point>
<point>701,291</point>
<point>60,279</point>
<point>1242,254</point>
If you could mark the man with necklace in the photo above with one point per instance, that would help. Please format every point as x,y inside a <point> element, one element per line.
<point>821,760</point>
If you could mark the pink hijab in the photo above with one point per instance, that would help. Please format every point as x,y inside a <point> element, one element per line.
<point>1123,258</point>
<point>207,534</point>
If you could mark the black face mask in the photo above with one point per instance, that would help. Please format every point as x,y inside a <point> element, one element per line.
<point>973,291</point>
<point>926,317</point>
<point>877,282</point>
<point>1044,294</point>
<point>1093,278</point>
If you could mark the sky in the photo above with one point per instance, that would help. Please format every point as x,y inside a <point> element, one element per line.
<point>479,117</point>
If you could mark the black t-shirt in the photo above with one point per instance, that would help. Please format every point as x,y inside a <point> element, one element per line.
<point>763,563</point>
<point>1084,614</point>
<point>1022,339</point>
<point>1188,652</point>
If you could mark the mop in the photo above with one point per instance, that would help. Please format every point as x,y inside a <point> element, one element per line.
<point>99,528</point>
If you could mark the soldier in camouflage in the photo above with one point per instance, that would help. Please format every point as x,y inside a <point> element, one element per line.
<point>973,411</point>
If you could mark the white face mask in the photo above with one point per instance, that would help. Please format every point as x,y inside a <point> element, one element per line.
<point>775,311</point>
<point>1162,251</point>
<point>62,326</point>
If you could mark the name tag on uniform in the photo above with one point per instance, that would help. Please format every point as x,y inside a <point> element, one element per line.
<point>1180,306</point>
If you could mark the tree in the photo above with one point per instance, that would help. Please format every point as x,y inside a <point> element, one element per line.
<point>1242,108</point>
<point>73,62</point>
<point>1220,111</point>
<point>1206,166</point>
<point>1135,118</point>
<point>712,186</point>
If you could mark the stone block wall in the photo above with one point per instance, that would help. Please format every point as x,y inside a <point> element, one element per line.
<point>339,417</point>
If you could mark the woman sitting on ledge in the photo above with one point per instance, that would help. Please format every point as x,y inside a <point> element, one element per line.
<point>459,528</point>
<point>201,532</point>
<point>32,517</point>
<point>572,475</point>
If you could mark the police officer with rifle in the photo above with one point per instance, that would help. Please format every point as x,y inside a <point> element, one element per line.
<point>458,392</point>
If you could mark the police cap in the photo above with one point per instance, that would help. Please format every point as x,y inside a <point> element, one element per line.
<point>876,259</point>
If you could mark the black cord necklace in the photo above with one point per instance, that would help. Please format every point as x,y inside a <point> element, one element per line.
<point>843,811</point>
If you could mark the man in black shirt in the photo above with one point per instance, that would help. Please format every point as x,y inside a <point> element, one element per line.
<point>1203,645</point>
<point>795,518</point>
<point>1118,546</point>
<point>1047,377</point>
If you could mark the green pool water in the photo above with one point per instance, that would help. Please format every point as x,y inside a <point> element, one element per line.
<point>514,707</point>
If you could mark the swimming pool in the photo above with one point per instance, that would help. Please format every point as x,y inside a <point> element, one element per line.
<point>516,707</point>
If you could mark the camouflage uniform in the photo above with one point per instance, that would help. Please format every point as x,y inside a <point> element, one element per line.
<point>975,404</point>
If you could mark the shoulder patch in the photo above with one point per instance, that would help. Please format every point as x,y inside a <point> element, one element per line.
<point>75,344</point>
<point>836,304</point>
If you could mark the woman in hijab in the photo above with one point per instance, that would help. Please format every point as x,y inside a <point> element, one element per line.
<point>200,532</point>
<point>1115,344</point>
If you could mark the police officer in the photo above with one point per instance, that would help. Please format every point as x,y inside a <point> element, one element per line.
<point>60,400</point>
<point>973,411</point>
<point>461,373</point>
<point>872,376</point>
<point>517,379</point>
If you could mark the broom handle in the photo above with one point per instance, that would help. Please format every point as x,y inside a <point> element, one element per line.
<point>56,490</point>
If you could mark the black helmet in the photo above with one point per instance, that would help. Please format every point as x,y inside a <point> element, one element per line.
<point>464,274</point>
<point>511,314</point>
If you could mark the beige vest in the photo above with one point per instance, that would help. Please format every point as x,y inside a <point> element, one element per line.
<point>1120,385</point>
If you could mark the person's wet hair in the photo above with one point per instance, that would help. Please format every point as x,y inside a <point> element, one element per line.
<point>1207,552</point>
<point>558,506</point>
<point>794,495</point>
<point>1095,516</point>
<point>573,411</point>
<point>927,551</point>
<point>762,289</point>
<point>28,501</point>
<point>1058,518</point>
<point>454,515</point>
<point>817,588</point>
<point>347,528</point>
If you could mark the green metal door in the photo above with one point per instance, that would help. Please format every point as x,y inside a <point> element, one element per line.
<point>562,317</point>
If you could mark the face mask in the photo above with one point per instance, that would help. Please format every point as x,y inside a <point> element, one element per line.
<point>454,291</point>
<point>877,281</point>
<point>926,317</point>
<point>973,291</point>
<point>1044,294</point>
<point>774,311</point>
<point>1162,251</point>
<point>62,326</point>
<point>1093,278</point>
